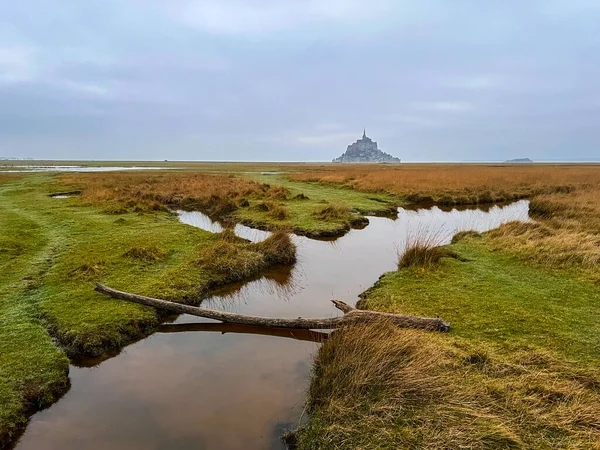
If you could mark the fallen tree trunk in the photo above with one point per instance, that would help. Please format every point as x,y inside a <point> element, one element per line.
<point>351,315</point>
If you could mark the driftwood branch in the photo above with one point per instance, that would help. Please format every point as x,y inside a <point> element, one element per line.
<point>351,315</point>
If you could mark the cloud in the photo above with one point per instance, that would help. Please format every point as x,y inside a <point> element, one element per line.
<point>475,82</point>
<point>17,64</point>
<point>288,80</point>
<point>450,107</point>
<point>327,139</point>
<point>415,121</point>
<point>240,17</point>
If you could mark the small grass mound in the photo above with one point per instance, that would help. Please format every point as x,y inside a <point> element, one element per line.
<point>278,212</point>
<point>235,261</point>
<point>300,196</point>
<point>261,206</point>
<point>278,248</point>
<point>89,271</point>
<point>278,192</point>
<point>231,261</point>
<point>464,235</point>
<point>423,253</point>
<point>333,211</point>
<point>148,254</point>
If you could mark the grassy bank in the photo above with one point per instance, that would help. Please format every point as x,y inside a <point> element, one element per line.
<point>517,370</point>
<point>267,202</point>
<point>50,252</point>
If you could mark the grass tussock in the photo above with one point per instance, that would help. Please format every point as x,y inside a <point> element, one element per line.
<point>278,212</point>
<point>232,261</point>
<point>464,235</point>
<point>148,254</point>
<point>454,184</point>
<point>278,192</point>
<point>341,213</point>
<point>89,271</point>
<point>421,252</point>
<point>333,211</point>
<point>278,248</point>
<point>379,387</point>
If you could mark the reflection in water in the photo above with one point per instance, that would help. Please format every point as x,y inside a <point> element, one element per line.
<point>33,168</point>
<point>199,220</point>
<point>186,389</point>
<point>292,333</point>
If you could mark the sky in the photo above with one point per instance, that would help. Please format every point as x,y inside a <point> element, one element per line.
<point>291,80</point>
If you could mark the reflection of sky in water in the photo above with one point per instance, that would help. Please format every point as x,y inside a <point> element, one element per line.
<point>199,220</point>
<point>25,168</point>
<point>216,387</point>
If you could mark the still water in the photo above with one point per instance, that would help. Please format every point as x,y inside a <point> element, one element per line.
<point>35,168</point>
<point>197,384</point>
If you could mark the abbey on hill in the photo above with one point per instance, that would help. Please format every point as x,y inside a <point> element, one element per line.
<point>365,150</point>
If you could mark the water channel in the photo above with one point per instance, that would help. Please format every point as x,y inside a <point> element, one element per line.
<point>197,384</point>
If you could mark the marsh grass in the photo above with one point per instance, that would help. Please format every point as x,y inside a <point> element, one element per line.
<point>51,251</point>
<point>278,212</point>
<point>335,211</point>
<point>278,192</point>
<point>566,235</point>
<point>237,261</point>
<point>379,387</point>
<point>119,192</point>
<point>423,253</point>
<point>423,249</point>
<point>464,235</point>
<point>455,184</point>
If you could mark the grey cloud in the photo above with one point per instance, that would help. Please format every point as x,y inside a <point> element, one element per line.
<point>258,80</point>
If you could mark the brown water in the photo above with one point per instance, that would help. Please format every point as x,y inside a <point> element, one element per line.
<point>197,384</point>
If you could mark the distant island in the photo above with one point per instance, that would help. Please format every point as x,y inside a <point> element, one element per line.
<point>365,150</point>
<point>520,160</point>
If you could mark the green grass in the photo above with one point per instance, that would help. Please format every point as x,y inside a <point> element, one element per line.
<point>303,214</point>
<point>33,372</point>
<point>51,250</point>
<point>493,296</point>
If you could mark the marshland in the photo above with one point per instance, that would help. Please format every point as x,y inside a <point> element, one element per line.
<point>507,254</point>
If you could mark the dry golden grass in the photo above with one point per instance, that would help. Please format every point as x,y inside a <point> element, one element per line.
<point>378,387</point>
<point>119,192</point>
<point>278,212</point>
<point>566,233</point>
<point>457,184</point>
<point>8,177</point>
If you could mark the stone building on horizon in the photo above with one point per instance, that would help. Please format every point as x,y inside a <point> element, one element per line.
<point>365,150</point>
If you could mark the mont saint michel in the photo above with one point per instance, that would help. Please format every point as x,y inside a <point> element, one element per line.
<point>365,150</point>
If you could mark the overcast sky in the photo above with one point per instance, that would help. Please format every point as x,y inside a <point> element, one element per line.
<point>287,80</point>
